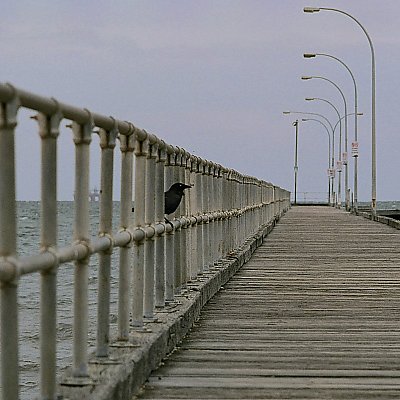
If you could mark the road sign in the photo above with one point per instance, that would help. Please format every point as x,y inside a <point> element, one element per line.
<point>354,149</point>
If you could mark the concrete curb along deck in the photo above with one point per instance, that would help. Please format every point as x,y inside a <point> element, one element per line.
<point>120,376</point>
<point>394,223</point>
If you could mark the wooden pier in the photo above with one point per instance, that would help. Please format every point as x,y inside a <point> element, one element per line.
<point>315,314</point>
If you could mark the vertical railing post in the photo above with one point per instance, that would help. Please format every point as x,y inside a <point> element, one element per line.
<point>127,144</point>
<point>245,202</point>
<point>232,209</point>
<point>199,187</point>
<point>193,249</point>
<point>271,203</point>
<point>243,188</point>
<point>255,203</point>
<point>141,151</point>
<point>169,237</point>
<point>264,202</point>
<point>279,200</point>
<point>242,219</point>
<point>225,223</point>
<point>159,217</point>
<point>8,244</point>
<point>49,130</point>
<point>82,138</point>
<point>211,209</point>
<point>178,231</point>
<point>250,202</point>
<point>185,211</point>
<point>257,217</point>
<point>206,210</point>
<point>236,208</point>
<point>242,215</point>
<point>246,214</point>
<point>181,214</point>
<point>229,204</point>
<point>260,193</point>
<point>149,245</point>
<point>218,208</point>
<point>261,202</point>
<point>107,145</point>
<point>215,203</point>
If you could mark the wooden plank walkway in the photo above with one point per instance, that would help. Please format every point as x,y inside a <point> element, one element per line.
<point>315,314</point>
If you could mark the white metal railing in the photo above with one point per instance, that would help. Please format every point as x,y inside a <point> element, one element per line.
<point>156,259</point>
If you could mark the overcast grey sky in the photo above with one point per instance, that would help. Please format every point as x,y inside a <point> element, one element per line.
<point>212,77</point>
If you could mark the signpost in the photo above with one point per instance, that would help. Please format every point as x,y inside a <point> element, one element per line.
<point>354,149</point>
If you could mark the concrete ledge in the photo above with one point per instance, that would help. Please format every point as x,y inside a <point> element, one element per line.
<point>120,376</point>
<point>394,223</point>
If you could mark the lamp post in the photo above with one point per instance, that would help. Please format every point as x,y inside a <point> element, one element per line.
<point>296,167</point>
<point>330,200</point>
<point>355,155</point>
<point>373,109</point>
<point>355,189</point>
<point>347,198</point>
<point>333,147</point>
<point>333,135</point>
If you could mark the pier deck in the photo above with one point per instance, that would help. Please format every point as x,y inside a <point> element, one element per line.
<point>314,314</point>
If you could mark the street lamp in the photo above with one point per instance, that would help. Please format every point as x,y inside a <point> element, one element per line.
<point>373,113</point>
<point>354,154</point>
<point>340,138</point>
<point>310,113</point>
<point>330,200</point>
<point>355,189</point>
<point>330,125</point>
<point>296,167</point>
<point>333,144</point>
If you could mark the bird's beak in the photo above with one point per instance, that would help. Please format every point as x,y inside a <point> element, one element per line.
<point>186,187</point>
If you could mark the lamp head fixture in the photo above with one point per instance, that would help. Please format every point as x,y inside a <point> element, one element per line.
<point>311,9</point>
<point>305,78</point>
<point>309,55</point>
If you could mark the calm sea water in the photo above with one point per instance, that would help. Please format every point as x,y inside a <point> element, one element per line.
<point>29,291</point>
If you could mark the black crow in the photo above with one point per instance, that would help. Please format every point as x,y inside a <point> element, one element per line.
<point>173,197</point>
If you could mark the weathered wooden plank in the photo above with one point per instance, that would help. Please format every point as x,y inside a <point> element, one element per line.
<point>267,382</point>
<point>314,314</point>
